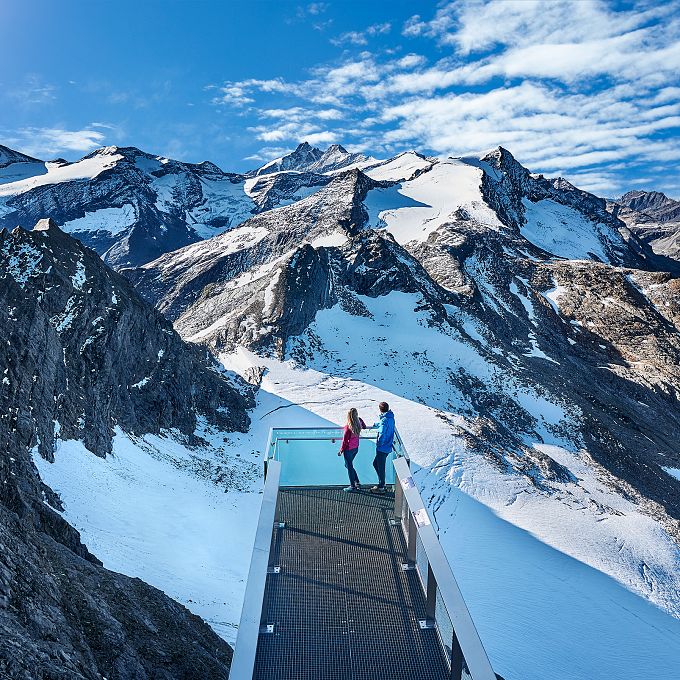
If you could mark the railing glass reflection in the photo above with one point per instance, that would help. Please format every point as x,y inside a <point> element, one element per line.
<point>309,457</point>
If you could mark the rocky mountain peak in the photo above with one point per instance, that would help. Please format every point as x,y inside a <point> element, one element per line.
<point>110,358</point>
<point>304,156</point>
<point>307,158</point>
<point>653,203</point>
<point>9,156</point>
<point>46,224</point>
<point>503,161</point>
<point>655,219</point>
<point>336,148</point>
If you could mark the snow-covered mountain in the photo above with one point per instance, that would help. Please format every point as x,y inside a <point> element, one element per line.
<point>306,158</point>
<point>131,206</point>
<point>128,205</point>
<point>85,360</point>
<point>653,217</point>
<point>527,339</point>
<point>525,335</point>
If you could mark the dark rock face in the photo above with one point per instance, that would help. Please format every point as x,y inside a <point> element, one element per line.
<point>64,617</point>
<point>82,354</point>
<point>94,355</point>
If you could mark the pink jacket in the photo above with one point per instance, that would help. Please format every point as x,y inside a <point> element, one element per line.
<point>349,439</point>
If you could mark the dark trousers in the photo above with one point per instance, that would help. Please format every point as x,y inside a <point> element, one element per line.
<point>349,464</point>
<point>379,465</point>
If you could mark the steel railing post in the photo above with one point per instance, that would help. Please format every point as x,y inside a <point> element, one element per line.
<point>398,499</point>
<point>431,594</point>
<point>456,659</point>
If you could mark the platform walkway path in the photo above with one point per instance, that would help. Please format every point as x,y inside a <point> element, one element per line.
<point>338,601</point>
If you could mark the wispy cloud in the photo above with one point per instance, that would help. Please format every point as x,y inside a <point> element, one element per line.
<point>362,37</point>
<point>576,88</point>
<point>34,91</point>
<point>51,142</point>
<point>312,13</point>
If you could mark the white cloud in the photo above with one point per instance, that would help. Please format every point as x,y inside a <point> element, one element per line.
<point>361,37</point>
<point>576,88</point>
<point>414,27</point>
<point>411,61</point>
<point>50,142</point>
<point>323,137</point>
<point>353,37</point>
<point>379,29</point>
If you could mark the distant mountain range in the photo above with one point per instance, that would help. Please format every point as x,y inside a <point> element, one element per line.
<point>131,206</point>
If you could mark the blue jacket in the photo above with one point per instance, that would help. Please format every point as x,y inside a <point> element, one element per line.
<point>385,432</point>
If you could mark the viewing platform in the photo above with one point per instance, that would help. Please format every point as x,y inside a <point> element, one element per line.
<point>349,585</point>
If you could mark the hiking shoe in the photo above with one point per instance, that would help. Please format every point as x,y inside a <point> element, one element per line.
<point>377,489</point>
<point>349,489</point>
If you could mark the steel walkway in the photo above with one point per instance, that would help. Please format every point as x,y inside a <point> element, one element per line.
<point>349,586</point>
<point>341,604</point>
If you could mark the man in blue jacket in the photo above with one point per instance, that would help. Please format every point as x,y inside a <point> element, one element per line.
<point>383,445</point>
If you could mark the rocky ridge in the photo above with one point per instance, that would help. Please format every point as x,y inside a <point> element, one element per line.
<point>82,356</point>
<point>543,319</point>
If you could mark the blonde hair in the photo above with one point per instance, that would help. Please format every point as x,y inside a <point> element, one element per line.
<point>353,421</point>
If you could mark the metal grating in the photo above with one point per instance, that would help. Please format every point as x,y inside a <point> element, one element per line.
<point>342,607</point>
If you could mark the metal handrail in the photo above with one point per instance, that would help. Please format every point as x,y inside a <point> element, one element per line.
<point>243,661</point>
<point>466,644</point>
<point>400,452</point>
<point>466,647</point>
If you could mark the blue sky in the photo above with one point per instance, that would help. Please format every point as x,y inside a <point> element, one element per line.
<point>587,90</point>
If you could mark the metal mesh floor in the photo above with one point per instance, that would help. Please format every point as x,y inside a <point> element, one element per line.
<point>342,606</point>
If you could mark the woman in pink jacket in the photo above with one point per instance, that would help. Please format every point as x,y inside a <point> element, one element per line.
<point>350,446</point>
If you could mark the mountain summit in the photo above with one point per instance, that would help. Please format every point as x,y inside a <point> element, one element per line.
<point>653,217</point>
<point>306,158</point>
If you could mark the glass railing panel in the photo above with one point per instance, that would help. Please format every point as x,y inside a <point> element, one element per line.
<point>310,458</point>
<point>444,625</point>
<point>421,561</point>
